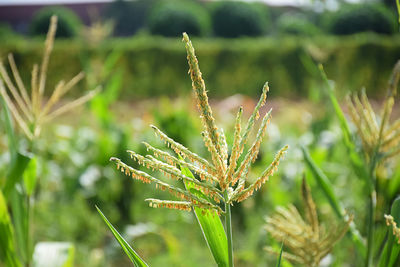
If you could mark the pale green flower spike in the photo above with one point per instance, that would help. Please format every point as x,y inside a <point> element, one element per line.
<point>306,241</point>
<point>31,113</point>
<point>376,132</point>
<point>215,177</point>
<point>396,230</point>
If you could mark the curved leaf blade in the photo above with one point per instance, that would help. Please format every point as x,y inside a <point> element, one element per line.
<point>327,189</point>
<point>133,256</point>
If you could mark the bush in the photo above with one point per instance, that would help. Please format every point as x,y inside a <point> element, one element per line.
<point>356,18</point>
<point>172,18</point>
<point>296,24</point>
<point>128,17</point>
<point>153,66</point>
<point>235,19</point>
<point>68,24</point>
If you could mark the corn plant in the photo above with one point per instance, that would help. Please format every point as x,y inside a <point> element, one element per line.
<point>210,187</point>
<point>390,255</point>
<point>306,239</point>
<point>380,140</point>
<point>31,113</point>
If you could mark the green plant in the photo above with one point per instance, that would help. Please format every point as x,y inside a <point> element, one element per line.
<point>171,18</point>
<point>68,23</point>
<point>30,113</point>
<point>380,143</point>
<point>398,9</point>
<point>220,182</point>
<point>356,18</point>
<point>234,19</point>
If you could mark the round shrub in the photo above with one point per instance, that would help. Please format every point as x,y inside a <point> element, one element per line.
<point>351,19</point>
<point>296,24</point>
<point>128,16</point>
<point>68,23</point>
<point>235,19</point>
<point>173,18</point>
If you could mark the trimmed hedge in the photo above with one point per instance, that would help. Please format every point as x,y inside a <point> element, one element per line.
<point>234,19</point>
<point>171,18</point>
<point>157,66</point>
<point>355,18</point>
<point>128,16</point>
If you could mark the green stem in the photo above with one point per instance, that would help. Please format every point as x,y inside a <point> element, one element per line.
<point>370,241</point>
<point>371,208</point>
<point>228,228</point>
<point>29,232</point>
<point>29,212</point>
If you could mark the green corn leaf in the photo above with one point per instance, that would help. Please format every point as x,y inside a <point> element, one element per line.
<point>110,63</point>
<point>133,256</point>
<point>394,183</point>
<point>339,113</point>
<point>211,226</point>
<point>17,201</point>
<point>21,212</point>
<point>327,189</point>
<point>30,177</point>
<point>391,251</point>
<point>278,263</point>
<point>7,242</point>
<point>12,141</point>
<point>19,162</point>
<point>323,183</point>
<point>356,161</point>
<point>112,89</point>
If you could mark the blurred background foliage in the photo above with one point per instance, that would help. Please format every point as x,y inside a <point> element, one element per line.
<point>153,66</point>
<point>141,65</point>
<point>353,42</point>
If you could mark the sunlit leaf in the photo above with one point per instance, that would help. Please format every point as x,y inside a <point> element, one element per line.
<point>20,219</point>
<point>19,162</point>
<point>7,242</point>
<point>211,226</point>
<point>12,141</point>
<point>30,176</point>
